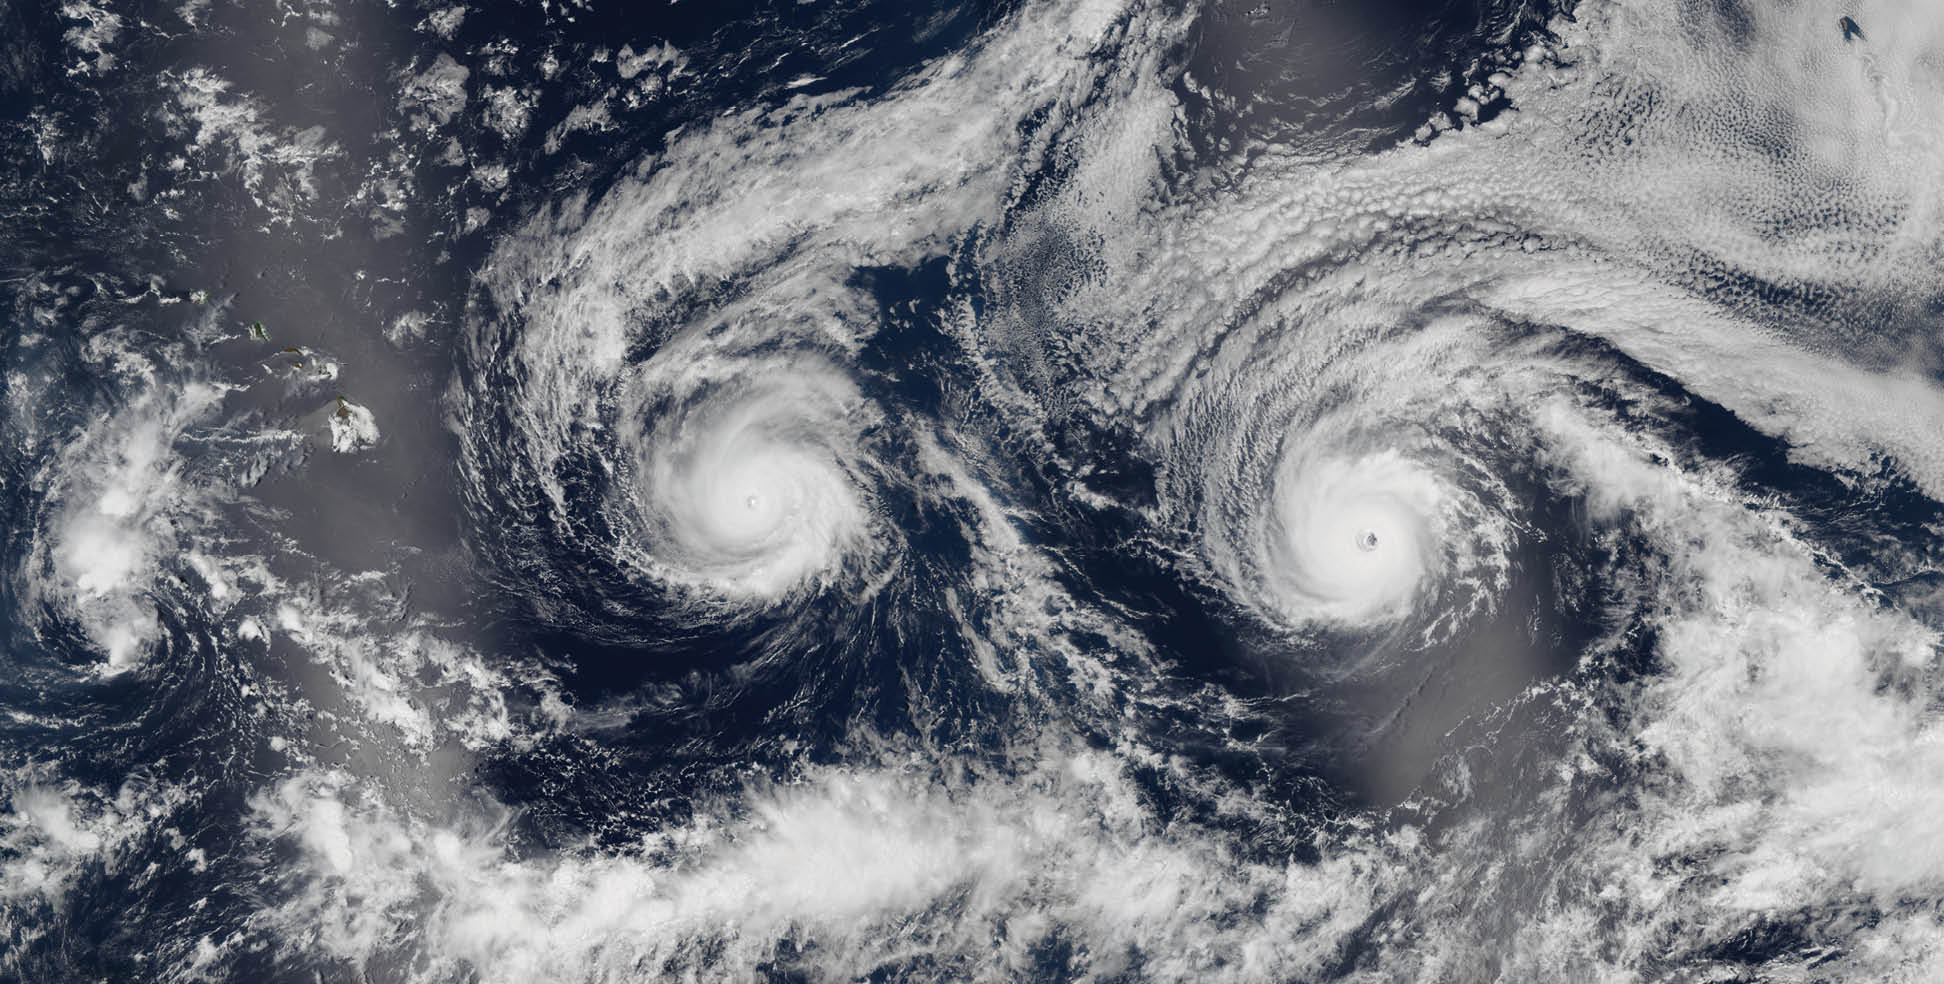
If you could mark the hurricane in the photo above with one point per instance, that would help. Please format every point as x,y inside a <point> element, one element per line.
<point>723,482</point>
<point>1357,516</point>
<point>1044,490</point>
<point>746,491</point>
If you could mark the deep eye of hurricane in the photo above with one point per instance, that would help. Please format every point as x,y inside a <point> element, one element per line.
<point>1352,540</point>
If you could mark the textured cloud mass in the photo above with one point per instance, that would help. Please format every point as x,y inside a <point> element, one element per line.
<point>1503,551</point>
